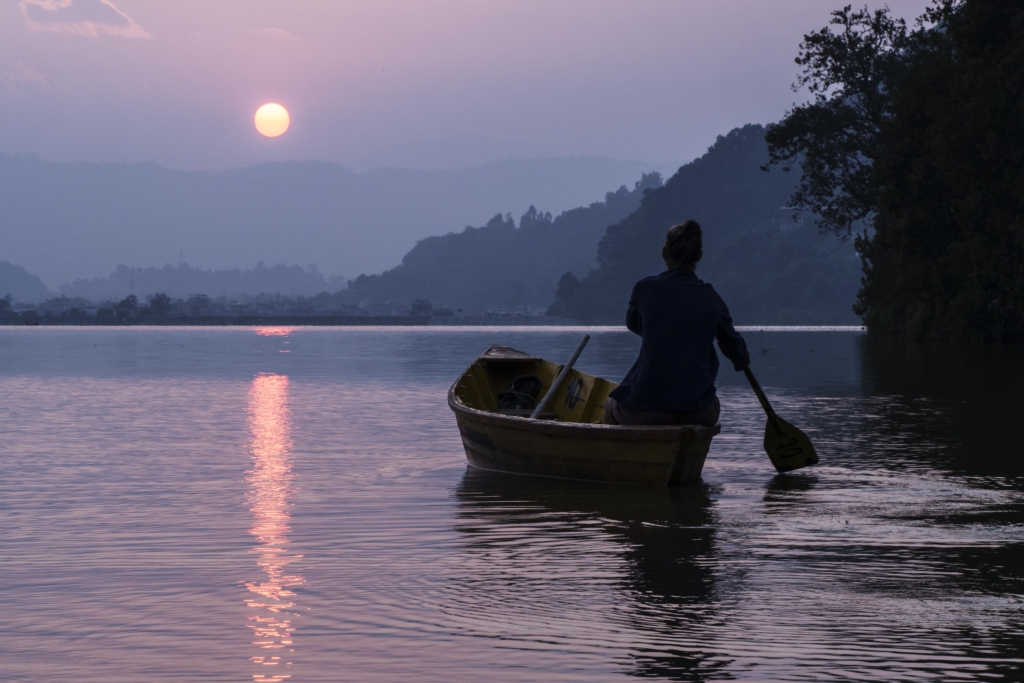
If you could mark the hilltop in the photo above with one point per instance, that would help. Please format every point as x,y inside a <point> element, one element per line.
<point>769,265</point>
<point>501,265</point>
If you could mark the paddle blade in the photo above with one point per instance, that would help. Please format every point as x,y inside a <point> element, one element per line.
<point>787,447</point>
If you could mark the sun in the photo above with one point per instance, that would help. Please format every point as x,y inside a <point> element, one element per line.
<point>272,120</point>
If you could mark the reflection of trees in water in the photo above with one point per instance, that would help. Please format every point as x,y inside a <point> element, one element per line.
<point>964,400</point>
<point>664,536</point>
<point>931,454</point>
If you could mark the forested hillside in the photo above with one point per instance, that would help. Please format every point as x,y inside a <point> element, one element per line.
<point>921,133</point>
<point>501,265</point>
<point>21,284</point>
<point>770,267</point>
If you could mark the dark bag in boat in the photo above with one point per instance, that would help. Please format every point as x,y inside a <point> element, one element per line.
<point>522,395</point>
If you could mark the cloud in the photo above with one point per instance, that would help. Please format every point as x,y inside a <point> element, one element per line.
<point>22,77</point>
<point>91,18</point>
<point>277,34</point>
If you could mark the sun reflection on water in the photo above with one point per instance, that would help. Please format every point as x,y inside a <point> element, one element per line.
<point>271,600</point>
<point>274,331</point>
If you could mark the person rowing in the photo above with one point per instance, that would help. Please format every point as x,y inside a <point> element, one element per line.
<point>679,317</point>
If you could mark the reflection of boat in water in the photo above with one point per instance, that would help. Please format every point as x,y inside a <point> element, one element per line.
<point>537,552</point>
<point>615,504</point>
<point>570,441</point>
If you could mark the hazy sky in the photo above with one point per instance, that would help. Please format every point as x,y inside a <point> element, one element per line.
<point>423,83</point>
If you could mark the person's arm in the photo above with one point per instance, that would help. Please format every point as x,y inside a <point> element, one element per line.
<point>634,322</point>
<point>729,340</point>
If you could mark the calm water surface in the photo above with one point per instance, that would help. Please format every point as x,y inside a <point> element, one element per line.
<point>243,505</point>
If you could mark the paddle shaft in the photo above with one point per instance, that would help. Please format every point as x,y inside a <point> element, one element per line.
<point>558,380</point>
<point>760,396</point>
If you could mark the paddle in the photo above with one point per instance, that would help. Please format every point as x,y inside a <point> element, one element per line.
<point>558,380</point>
<point>787,447</point>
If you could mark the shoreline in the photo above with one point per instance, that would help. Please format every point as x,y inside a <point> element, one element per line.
<point>376,324</point>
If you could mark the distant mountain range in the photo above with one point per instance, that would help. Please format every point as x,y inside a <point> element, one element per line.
<point>69,221</point>
<point>498,265</point>
<point>501,265</point>
<point>771,266</point>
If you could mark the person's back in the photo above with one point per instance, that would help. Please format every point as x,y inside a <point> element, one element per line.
<point>679,317</point>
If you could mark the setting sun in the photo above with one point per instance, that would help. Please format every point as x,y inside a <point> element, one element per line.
<point>272,120</point>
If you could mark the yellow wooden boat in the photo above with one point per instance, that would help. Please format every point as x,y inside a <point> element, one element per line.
<point>570,440</point>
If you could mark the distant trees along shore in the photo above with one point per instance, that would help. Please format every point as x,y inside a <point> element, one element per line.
<point>201,309</point>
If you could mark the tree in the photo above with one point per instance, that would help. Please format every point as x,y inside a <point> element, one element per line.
<point>836,138</point>
<point>568,285</point>
<point>159,304</point>
<point>126,307</point>
<point>130,302</point>
<point>921,134</point>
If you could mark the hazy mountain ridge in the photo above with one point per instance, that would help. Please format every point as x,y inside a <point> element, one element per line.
<point>500,265</point>
<point>21,285</point>
<point>68,221</point>
<point>769,268</point>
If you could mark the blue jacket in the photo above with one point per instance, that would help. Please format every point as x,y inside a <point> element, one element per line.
<point>679,317</point>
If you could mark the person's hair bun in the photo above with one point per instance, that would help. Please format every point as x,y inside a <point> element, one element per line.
<point>684,244</point>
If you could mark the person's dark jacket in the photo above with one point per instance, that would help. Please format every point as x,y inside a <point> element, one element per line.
<point>679,317</point>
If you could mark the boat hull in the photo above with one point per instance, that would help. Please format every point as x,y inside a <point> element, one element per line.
<point>571,441</point>
<point>652,456</point>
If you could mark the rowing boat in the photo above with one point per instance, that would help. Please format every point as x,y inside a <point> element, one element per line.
<point>570,439</point>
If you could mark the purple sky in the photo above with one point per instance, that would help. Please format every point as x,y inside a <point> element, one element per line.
<point>422,83</point>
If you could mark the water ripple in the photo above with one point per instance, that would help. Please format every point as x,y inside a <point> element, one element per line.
<point>176,523</point>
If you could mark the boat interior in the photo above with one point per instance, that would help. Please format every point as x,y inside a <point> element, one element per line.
<point>509,382</point>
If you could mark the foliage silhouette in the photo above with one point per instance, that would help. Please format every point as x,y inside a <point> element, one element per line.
<point>921,133</point>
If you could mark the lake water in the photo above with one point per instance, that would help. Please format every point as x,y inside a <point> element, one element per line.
<point>242,505</point>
